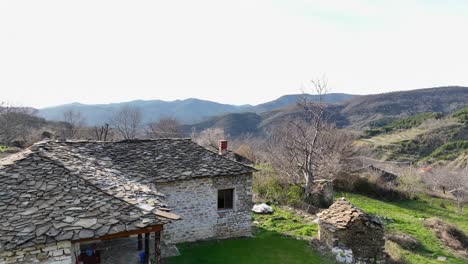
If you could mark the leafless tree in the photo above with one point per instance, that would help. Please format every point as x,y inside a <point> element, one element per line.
<point>250,147</point>
<point>16,123</point>
<point>166,127</point>
<point>455,181</point>
<point>209,137</point>
<point>102,132</point>
<point>72,122</point>
<point>310,146</point>
<point>127,121</point>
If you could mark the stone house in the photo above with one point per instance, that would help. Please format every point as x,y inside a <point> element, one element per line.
<point>57,197</point>
<point>347,227</point>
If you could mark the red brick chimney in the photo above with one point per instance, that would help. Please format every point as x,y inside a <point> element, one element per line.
<point>223,147</point>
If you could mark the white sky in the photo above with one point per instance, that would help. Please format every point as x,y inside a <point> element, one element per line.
<point>238,51</point>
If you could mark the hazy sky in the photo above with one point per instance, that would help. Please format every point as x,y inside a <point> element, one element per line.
<point>237,51</point>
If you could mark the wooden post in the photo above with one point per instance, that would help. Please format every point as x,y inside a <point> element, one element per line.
<point>157,247</point>
<point>147,251</point>
<point>140,242</point>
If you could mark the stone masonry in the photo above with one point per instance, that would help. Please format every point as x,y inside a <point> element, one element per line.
<point>345,226</point>
<point>59,192</point>
<point>196,202</point>
<point>55,253</point>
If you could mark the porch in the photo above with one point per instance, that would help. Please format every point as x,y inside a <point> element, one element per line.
<point>131,247</point>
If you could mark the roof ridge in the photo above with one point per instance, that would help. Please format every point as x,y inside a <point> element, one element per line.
<point>226,158</point>
<point>115,142</point>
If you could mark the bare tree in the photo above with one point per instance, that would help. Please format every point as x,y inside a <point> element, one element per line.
<point>250,147</point>
<point>72,123</point>
<point>309,146</point>
<point>453,180</point>
<point>127,121</point>
<point>101,133</point>
<point>209,137</point>
<point>166,127</point>
<point>16,123</point>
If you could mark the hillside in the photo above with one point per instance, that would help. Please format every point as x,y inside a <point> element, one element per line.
<point>426,137</point>
<point>235,124</point>
<point>288,100</point>
<point>358,112</point>
<point>363,109</point>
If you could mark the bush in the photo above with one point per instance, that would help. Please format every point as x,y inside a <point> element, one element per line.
<point>461,115</point>
<point>267,185</point>
<point>403,123</point>
<point>369,186</point>
<point>449,151</point>
<point>295,195</point>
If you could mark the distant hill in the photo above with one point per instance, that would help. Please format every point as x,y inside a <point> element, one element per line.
<point>235,124</point>
<point>357,112</point>
<point>291,99</point>
<point>187,111</point>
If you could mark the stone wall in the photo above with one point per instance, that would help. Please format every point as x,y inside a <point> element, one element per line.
<point>56,253</point>
<point>366,243</point>
<point>196,202</point>
<point>236,222</point>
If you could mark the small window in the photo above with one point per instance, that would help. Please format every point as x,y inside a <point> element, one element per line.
<point>225,199</point>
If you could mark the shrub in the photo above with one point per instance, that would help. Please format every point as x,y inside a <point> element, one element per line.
<point>448,151</point>
<point>461,115</point>
<point>267,185</point>
<point>295,195</point>
<point>403,123</point>
<point>369,186</point>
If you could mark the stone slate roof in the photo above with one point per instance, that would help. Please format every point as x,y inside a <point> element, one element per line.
<point>58,191</point>
<point>341,214</point>
<point>149,161</point>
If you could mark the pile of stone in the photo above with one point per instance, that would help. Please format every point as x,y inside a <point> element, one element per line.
<point>346,227</point>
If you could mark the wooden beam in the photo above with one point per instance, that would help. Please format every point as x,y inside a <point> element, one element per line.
<point>140,242</point>
<point>145,230</point>
<point>157,247</point>
<point>147,249</point>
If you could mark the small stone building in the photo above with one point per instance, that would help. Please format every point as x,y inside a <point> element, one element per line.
<point>58,197</point>
<point>345,226</point>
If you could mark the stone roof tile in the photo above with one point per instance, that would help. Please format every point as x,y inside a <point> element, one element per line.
<point>341,214</point>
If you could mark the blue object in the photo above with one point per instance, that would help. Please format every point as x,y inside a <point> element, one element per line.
<point>89,252</point>
<point>142,257</point>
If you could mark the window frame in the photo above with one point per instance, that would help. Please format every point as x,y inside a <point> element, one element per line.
<point>233,195</point>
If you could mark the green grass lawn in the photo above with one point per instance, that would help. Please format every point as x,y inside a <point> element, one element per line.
<point>269,246</point>
<point>406,216</point>
<point>266,248</point>
<point>277,236</point>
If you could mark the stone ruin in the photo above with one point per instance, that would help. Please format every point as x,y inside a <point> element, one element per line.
<point>321,194</point>
<point>354,236</point>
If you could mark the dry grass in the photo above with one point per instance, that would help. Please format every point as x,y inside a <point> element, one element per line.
<point>387,139</point>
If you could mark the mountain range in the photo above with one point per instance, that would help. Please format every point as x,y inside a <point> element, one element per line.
<point>357,112</point>
<point>188,111</point>
<point>352,111</point>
